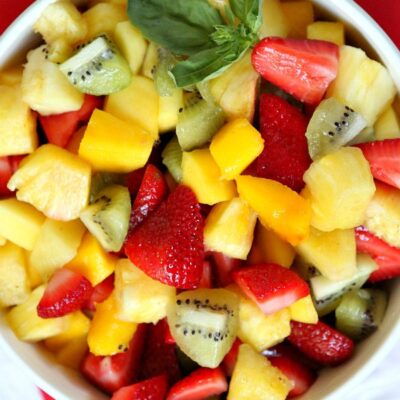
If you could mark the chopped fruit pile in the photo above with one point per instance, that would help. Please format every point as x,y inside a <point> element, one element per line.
<point>197,214</point>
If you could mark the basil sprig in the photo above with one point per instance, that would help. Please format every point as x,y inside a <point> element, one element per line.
<point>196,31</point>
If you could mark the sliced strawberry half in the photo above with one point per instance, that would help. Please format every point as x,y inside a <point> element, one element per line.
<point>321,343</point>
<point>271,286</point>
<point>67,291</point>
<point>150,389</point>
<point>199,385</point>
<point>302,68</point>
<point>224,267</point>
<point>229,361</point>
<point>100,293</point>
<point>168,244</point>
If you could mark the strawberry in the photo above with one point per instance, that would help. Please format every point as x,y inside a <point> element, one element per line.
<point>224,266</point>
<point>100,293</point>
<point>271,286</point>
<point>168,245</point>
<point>114,372</point>
<point>206,279</point>
<point>384,160</point>
<point>67,291</point>
<point>150,389</point>
<point>133,180</point>
<point>387,257</point>
<point>229,361</point>
<point>169,339</point>
<point>321,343</point>
<point>285,157</point>
<point>199,385</point>
<point>8,165</point>
<point>302,68</point>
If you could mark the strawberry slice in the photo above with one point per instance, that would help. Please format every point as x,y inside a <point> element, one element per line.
<point>229,361</point>
<point>8,165</point>
<point>285,157</point>
<point>302,68</point>
<point>224,266</point>
<point>67,291</point>
<point>384,160</point>
<point>206,279</point>
<point>199,385</point>
<point>133,180</point>
<point>100,293</point>
<point>150,389</point>
<point>387,257</point>
<point>321,343</point>
<point>271,286</point>
<point>168,244</point>
<point>114,372</point>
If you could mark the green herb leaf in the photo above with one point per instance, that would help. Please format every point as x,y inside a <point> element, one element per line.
<point>249,12</point>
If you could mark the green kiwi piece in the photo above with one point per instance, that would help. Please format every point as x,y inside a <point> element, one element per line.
<point>163,79</point>
<point>366,135</point>
<point>97,68</point>
<point>100,180</point>
<point>172,158</point>
<point>204,323</point>
<point>186,364</point>
<point>361,312</point>
<point>304,268</point>
<point>107,218</point>
<point>332,126</point>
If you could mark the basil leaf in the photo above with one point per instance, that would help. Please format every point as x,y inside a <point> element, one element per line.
<point>181,26</point>
<point>249,12</point>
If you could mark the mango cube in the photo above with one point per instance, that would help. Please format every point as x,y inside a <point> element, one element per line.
<point>229,228</point>
<point>274,21</point>
<point>304,311</point>
<point>202,175</point>
<point>110,144</point>
<point>387,126</point>
<point>299,15</point>
<point>235,147</point>
<point>279,208</point>
<point>328,31</point>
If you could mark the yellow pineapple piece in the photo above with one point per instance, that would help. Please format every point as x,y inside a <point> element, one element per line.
<point>3,241</point>
<point>17,123</point>
<point>340,187</point>
<point>14,279</point>
<point>113,145</point>
<point>59,50</point>
<point>57,244</point>
<point>150,60</point>
<point>328,31</point>
<point>303,310</point>
<point>387,126</point>
<point>229,228</point>
<point>235,146</point>
<point>35,279</point>
<point>11,76</point>
<point>69,175</point>
<point>20,223</point>
<point>168,110</point>
<point>92,261</point>
<point>255,378</point>
<point>107,334</point>
<point>275,22</point>
<point>202,175</point>
<point>278,207</point>
<point>72,354</point>
<point>299,15</point>
<point>139,298</point>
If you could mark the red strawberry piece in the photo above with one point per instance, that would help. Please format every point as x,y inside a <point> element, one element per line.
<point>224,266</point>
<point>67,291</point>
<point>8,165</point>
<point>271,286</point>
<point>100,293</point>
<point>133,180</point>
<point>45,396</point>
<point>384,160</point>
<point>321,343</point>
<point>114,372</point>
<point>168,245</point>
<point>199,385</point>
<point>206,279</point>
<point>285,157</point>
<point>387,257</point>
<point>229,361</point>
<point>150,389</point>
<point>169,339</point>
<point>302,68</point>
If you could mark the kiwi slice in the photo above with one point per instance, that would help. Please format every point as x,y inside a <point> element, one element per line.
<point>172,158</point>
<point>332,125</point>
<point>204,323</point>
<point>100,180</point>
<point>107,218</point>
<point>97,68</point>
<point>304,268</point>
<point>361,312</point>
<point>163,79</point>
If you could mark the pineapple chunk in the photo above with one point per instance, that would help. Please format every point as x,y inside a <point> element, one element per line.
<point>362,84</point>
<point>303,310</point>
<point>235,146</point>
<point>3,241</point>
<point>332,253</point>
<point>14,280</point>
<point>202,175</point>
<point>328,31</point>
<point>340,187</point>
<point>34,277</point>
<point>17,123</point>
<point>113,145</point>
<point>255,378</point>
<point>168,107</point>
<point>229,228</point>
<point>139,298</point>
<point>59,51</point>
<point>150,60</point>
<point>107,334</point>
<point>57,244</point>
<point>55,181</point>
<point>387,126</point>
<point>278,207</point>
<point>299,15</point>
<point>11,76</point>
<point>20,223</point>
<point>72,354</point>
<point>275,22</point>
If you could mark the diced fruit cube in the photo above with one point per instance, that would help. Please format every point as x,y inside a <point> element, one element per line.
<point>387,125</point>
<point>299,15</point>
<point>274,22</point>
<point>202,175</point>
<point>17,123</point>
<point>100,293</point>
<point>303,310</point>
<point>255,378</point>
<point>150,60</point>
<point>278,207</point>
<point>72,353</point>
<point>153,388</point>
<point>59,51</point>
<point>113,145</point>
<point>340,187</point>
<point>329,31</point>
<point>3,241</point>
<point>168,110</point>
<point>11,76</point>
<point>229,361</point>
<point>70,178</point>
<point>20,223</point>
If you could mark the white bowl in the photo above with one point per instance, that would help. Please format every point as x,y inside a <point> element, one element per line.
<point>65,384</point>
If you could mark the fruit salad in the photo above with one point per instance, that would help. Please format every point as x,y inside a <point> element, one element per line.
<point>199,199</point>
